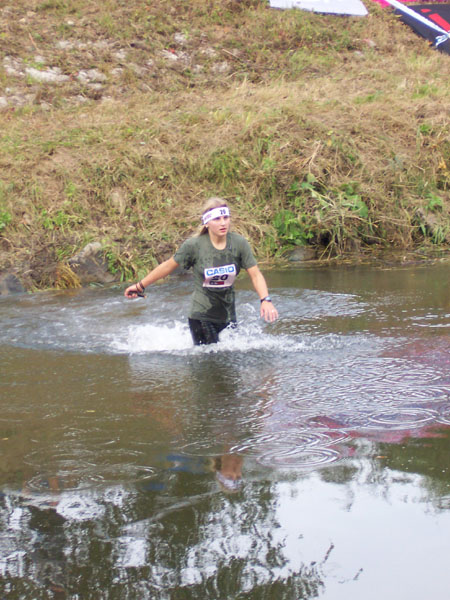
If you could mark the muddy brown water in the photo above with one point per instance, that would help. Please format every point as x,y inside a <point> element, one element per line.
<point>304,459</point>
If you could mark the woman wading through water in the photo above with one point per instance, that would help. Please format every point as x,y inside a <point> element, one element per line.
<point>216,256</point>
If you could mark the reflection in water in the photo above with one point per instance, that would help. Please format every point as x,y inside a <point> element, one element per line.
<point>281,538</point>
<point>300,460</point>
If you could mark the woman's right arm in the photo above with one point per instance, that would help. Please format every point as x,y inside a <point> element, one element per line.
<point>162,270</point>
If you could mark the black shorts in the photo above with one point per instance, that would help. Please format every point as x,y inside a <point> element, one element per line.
<point>206,332</point>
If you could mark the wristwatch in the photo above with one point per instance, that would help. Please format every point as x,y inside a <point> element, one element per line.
<point>266,299</point>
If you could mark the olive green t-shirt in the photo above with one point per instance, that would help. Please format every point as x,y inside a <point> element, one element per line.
<point>214,274</point>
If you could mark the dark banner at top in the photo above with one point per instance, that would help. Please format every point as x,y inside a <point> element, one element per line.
<point>432,22</point>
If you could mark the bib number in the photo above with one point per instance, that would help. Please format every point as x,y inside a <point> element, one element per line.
<point>219,277</point>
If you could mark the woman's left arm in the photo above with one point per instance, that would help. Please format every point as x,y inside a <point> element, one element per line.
<point>268,311</point>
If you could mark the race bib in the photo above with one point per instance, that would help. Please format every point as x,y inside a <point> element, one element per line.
<point>219,277</point>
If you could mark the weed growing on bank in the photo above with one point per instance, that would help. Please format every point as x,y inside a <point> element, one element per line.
<point>119,119</point>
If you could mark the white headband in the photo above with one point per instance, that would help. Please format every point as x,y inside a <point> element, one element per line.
<point>215,213</point>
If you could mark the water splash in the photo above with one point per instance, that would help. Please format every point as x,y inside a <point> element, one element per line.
<point>175,338</point>
<point>155,338</point>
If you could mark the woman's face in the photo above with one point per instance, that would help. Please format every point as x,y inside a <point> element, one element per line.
<point>219,227</point>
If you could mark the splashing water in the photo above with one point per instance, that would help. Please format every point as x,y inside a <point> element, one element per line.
<point>176,338</point>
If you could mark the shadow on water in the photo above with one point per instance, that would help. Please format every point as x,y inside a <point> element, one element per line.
<point>301,460</point>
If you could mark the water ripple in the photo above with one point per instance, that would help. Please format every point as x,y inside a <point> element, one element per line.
<point>403,418</point>
<point>302,449</point>
<point>307,458</point>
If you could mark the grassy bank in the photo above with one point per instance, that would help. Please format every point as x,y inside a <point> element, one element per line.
<point>118,119</point>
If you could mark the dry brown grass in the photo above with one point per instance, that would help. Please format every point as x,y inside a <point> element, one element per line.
<point>255,101</point>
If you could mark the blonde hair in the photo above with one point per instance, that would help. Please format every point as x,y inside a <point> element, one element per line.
<point>214,202</point>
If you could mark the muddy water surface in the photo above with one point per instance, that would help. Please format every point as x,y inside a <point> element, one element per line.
<point>304,459</point>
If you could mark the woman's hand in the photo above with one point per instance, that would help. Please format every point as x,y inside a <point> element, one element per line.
<point>162,270</point>
<point>134,291</point>
<point>268,311</point>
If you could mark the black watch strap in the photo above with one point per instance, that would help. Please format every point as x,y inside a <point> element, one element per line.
<point>266,299</point>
